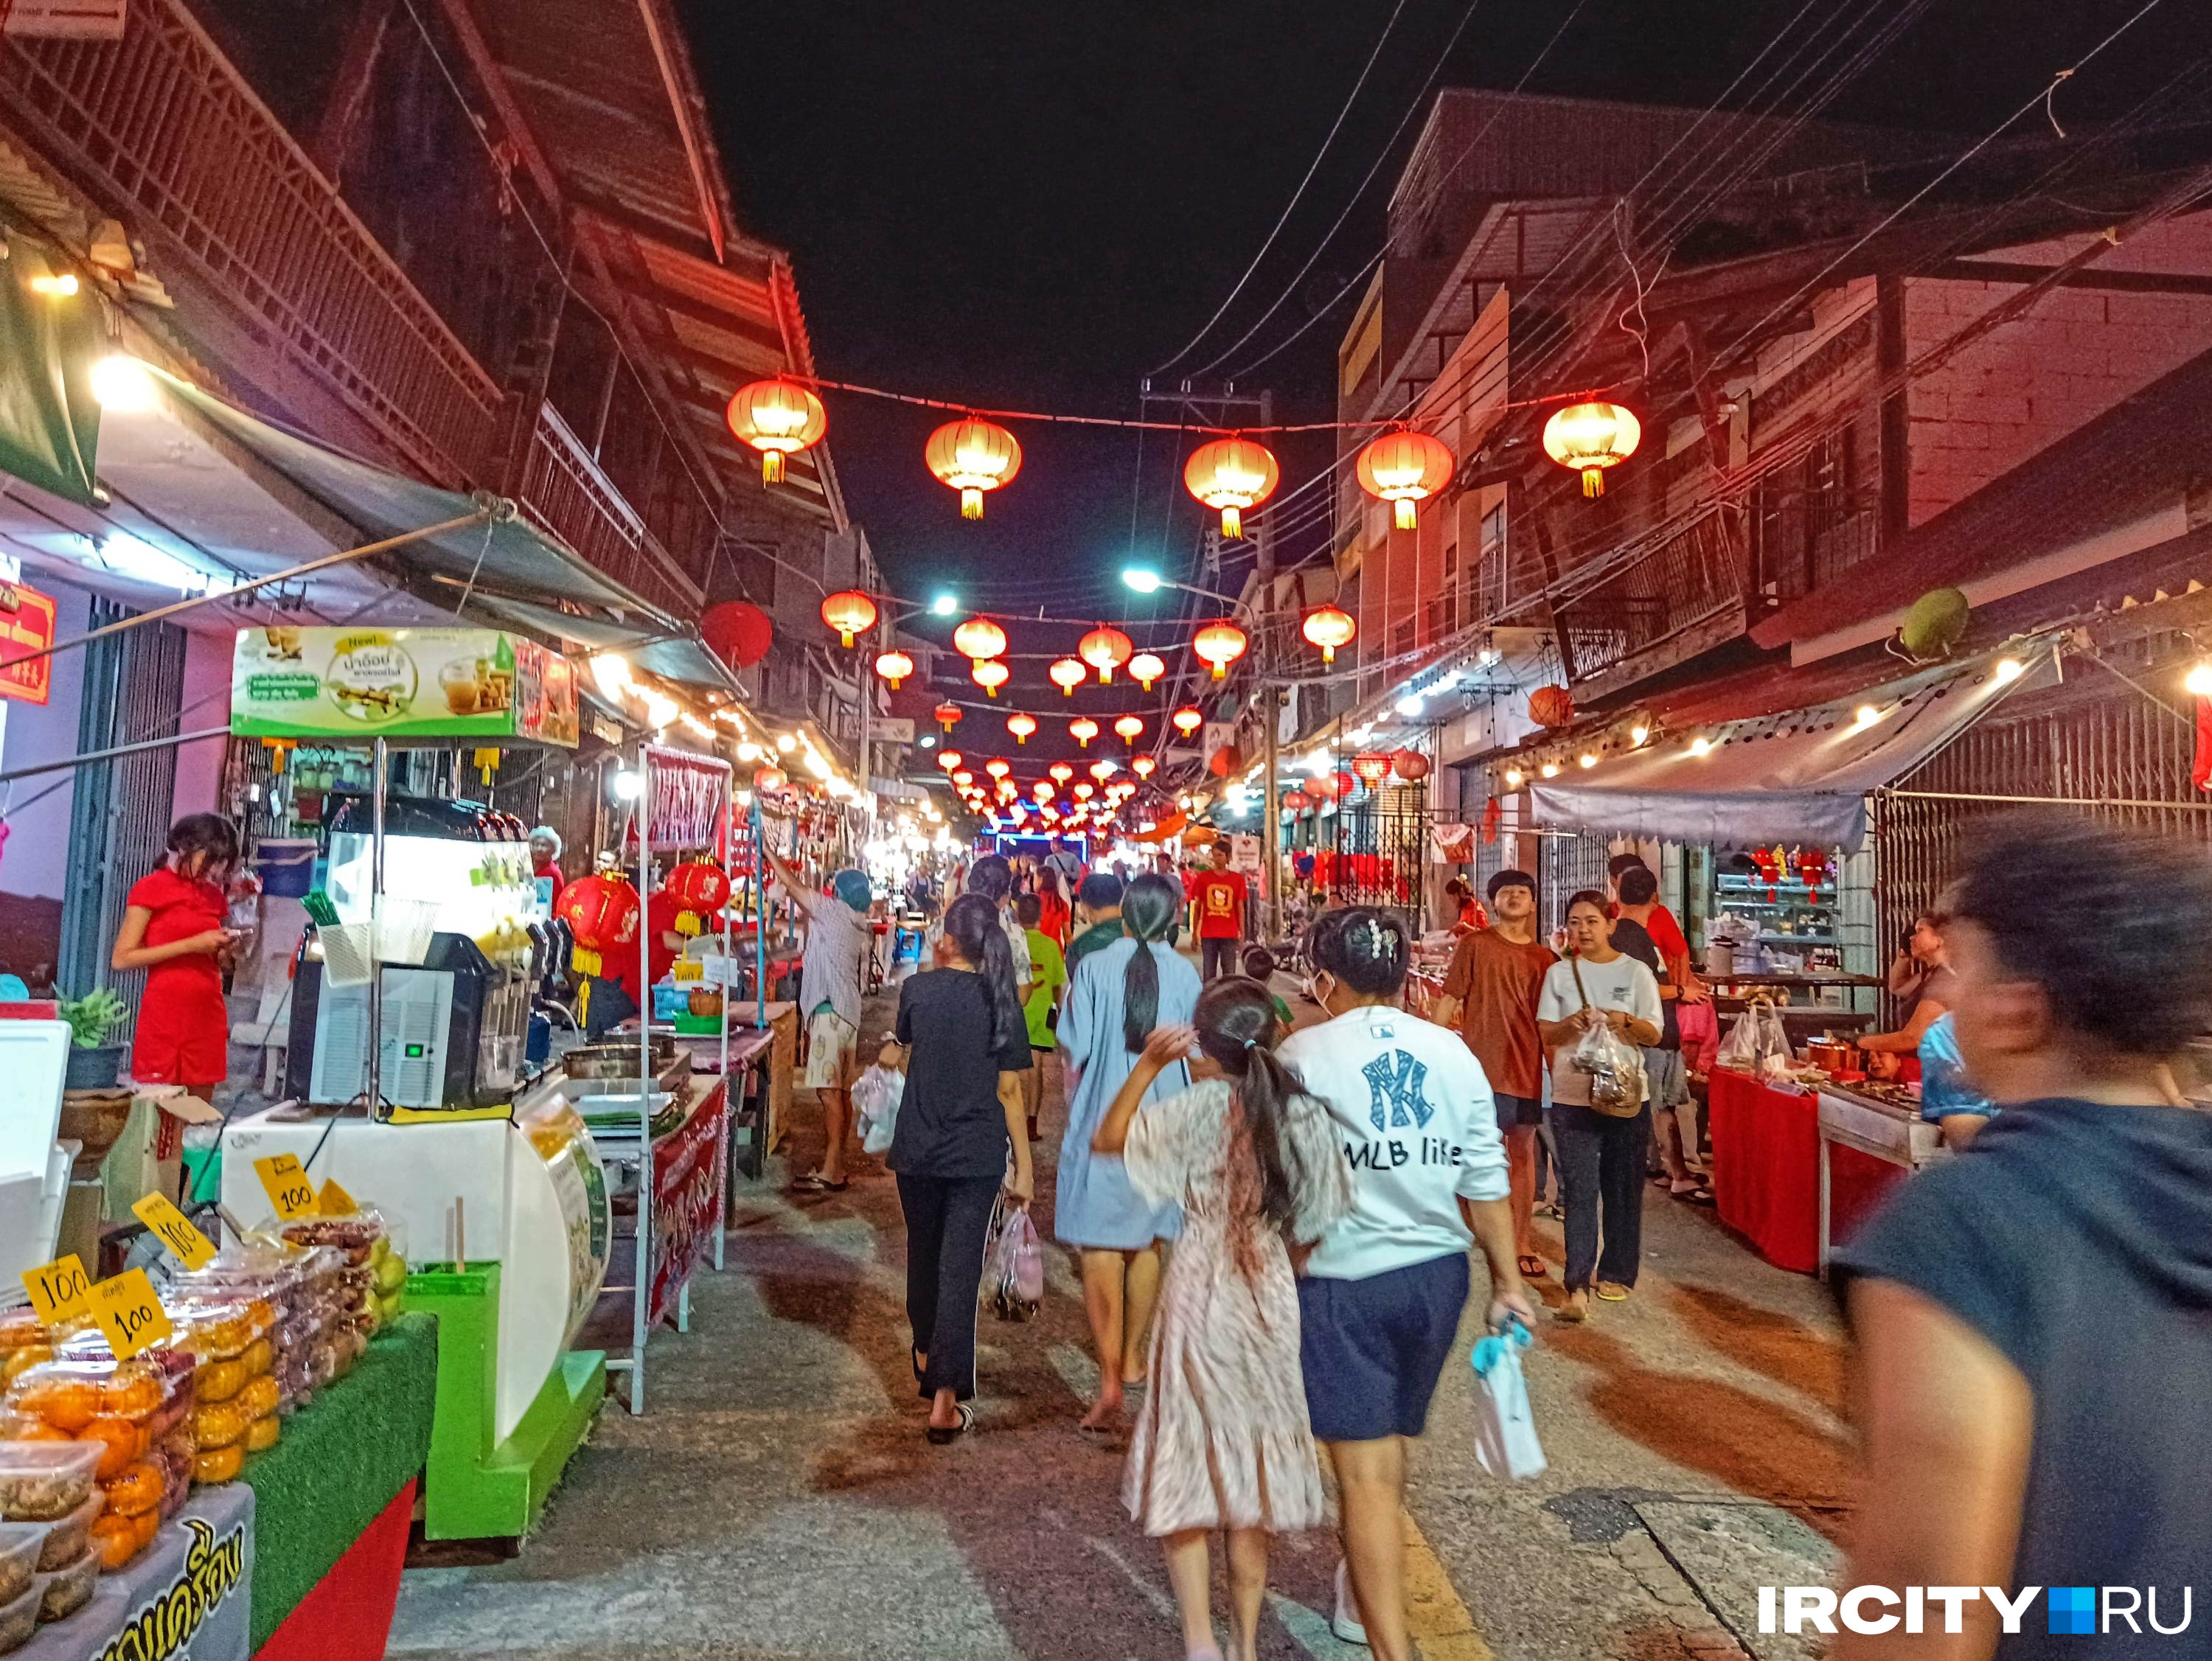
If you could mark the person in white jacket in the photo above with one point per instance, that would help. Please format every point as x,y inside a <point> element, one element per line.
<point>1382,1293</point>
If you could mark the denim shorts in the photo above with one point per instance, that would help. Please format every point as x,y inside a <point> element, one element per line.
<point>1372,1349</point>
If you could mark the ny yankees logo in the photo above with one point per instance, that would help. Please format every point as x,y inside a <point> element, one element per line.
<point>1399,1089</point>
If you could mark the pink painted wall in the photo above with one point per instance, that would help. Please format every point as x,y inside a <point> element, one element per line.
<point>2076,354</point>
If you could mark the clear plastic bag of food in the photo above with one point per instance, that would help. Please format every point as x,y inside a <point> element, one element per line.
<point>70,1394</point>
<point>137,1489</point>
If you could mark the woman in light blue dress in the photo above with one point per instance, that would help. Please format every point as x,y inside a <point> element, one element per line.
<point>1118,996</point>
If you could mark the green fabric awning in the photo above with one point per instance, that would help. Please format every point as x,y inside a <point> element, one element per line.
<point>48,419</point>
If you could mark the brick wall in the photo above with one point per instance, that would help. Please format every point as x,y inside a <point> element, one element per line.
<point>2076,354</point>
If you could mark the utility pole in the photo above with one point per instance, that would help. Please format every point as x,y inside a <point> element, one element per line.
<point>1270,713</point>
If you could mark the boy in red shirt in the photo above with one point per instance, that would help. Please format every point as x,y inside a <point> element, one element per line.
<point>1218,895</point>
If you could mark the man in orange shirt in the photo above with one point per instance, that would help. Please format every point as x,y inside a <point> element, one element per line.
<point>1219,895</point>
<point>1490,994</point>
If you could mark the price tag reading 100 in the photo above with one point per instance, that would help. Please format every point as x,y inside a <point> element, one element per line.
<point>174,1230</point>
<point>58,1289</point>
<point>290,1193</point>
<point>129,1313</point>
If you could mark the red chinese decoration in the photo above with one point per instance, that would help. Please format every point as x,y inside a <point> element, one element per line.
<point>990,675</point>
<point>1130,727</point>
<point>950,760</point>
<point>1551,706</point>
<point>1061,771</point>
<point>1409,765</point>
<point>767,781</point>
<point>1067,674</point>
<point>1232,475</point>
<point>1145,668</point>
<point>1296,801</point>
<point>1371,769</point>
<point>944,715</point>
<point>1187,719</point>
<point>700,890</point>
<point>973,456</point>
<point>850,613</point>
<point>1144,766</point>
<point>1105,650</point>
<point>777,419</point>
<point>1225,760</point>
<point>1404,469</point>
<point>1328,627</point>
<point>1082,730</point>
<point>602,913</point>
<point>1021,726</point>
<point>1219,645</point>
<point>737,631</point>
<point>894,666</point>
<point>980,640</point>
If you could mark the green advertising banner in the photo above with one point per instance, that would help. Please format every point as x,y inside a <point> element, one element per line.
<point>400,684</point>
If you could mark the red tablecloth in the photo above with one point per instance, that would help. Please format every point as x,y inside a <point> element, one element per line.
<point>1766,1172</point>
<point>348,1615</point>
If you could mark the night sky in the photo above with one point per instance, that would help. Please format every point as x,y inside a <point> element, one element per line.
<point>1031,204</point>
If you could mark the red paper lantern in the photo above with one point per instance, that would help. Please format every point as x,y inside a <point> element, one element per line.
<point>1130,727</point>
<point>1590,438</point>
<point>1345,784</point>
<point>700,890</point>
<point>1551,706</point>
<point>1082,730</point>
<point>1325,787</point>
<point>603,913</point>
<point>1409,765</point>
<point>1041,789</point>
<point>1296,801</point>
<point>990,675</point>
<point>973,456</point>
<point>894,666</point>
<point>1219,645</point>
<point>1021,726</point>
<point>1105,650</point>
<point>1061,771</point>
<point>1232,475</point>
<point>1067,674</point>
<point>767,781</point>
<point>1403,469</point>
<point>850,613</point>
<point>1187,719</point>
<point>1145,668</point>
<point>1083,792</point>
<point>737,631</point>
<point>950,760</point>
<point>1225,760</point>
<point>944,715</point>
<point>1328,627</point>
<point>997,767</point>
<point>1144,766</point>
<point>979,638</point>
<point>778,419</point>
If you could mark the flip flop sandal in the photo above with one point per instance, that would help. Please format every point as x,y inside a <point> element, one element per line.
<point>1700,1195</point>
<point>941,1435</point>
<point>815,1183</point>
<point>1613,1291</point>
<point>1532,1267</point>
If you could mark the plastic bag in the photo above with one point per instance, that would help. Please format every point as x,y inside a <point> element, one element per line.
<point>1615,1068</point>
<point>1755,1039</point>
<point>1013,1271</point>
<point>1505,1442</point>
<point>876,1097</point>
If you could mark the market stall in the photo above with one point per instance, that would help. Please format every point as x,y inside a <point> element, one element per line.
<point>1776,1181</point>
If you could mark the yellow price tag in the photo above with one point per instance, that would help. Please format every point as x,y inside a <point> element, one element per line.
<point>174,1230</point>
<point>290,1192</point>
<point>687,968</point>
<point>129,1313</point>
<point>57,1289</point>
<point>335,1202</point>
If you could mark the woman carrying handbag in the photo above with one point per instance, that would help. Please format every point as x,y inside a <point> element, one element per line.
<point>1598,1005</point>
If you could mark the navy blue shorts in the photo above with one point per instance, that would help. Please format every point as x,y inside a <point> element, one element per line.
<point>1372,1350</point>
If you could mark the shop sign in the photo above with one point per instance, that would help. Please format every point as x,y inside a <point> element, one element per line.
<point>202,1608</point>
<point>407,683</point>
<point>26,625</point>
<point>687,1199</point>
<point>1245,854</point>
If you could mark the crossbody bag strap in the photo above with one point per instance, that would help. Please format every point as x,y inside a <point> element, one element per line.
<point>1575,968</point>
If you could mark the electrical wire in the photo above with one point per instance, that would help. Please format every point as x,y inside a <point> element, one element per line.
<point>1313,167</point>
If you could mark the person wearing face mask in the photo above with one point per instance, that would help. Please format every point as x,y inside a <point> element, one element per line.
<point>1601,1156</point>
<point>1382,1293</point>
<point>2033,1318</point>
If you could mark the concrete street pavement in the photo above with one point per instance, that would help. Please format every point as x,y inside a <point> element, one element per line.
<point>778,1500</point>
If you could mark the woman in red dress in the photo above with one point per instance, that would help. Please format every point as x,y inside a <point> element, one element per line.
<point>1053,913</point>
<point>172,928</point>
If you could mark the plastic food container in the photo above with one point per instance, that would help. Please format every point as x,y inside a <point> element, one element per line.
<point>42,1480</point>
<point>65,1536</point>
<point>20,1543</point>
<point>68,1589</point>
<point>18,1621</point>
<point>20,1326</point>
<point>136,1489</point>
<point>220,1329</point>
<point>70,1394</point>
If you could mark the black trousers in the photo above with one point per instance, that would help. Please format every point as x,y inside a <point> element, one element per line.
<point>1601,1185</point>
<point>1221,957</point>
<point>947,1219</point>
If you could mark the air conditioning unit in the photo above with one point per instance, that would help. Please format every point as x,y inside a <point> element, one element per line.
<point>63,20</point>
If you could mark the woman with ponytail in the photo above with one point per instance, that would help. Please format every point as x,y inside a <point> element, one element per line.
<point>1118,995</point>
<point>1223,1442</point>
<point>964,1044</point>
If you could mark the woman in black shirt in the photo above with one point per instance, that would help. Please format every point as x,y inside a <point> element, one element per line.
<point>965,1047</point>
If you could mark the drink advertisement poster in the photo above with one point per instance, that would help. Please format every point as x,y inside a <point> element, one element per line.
<point>338,684</point>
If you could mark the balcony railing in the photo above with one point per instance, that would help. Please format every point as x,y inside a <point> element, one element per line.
<point>1665,602</point>
<point>162,126</point>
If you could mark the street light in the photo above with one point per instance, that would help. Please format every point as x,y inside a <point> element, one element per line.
<point>1144,582</point>
<point>944,605</point>
<point>1151,582</point>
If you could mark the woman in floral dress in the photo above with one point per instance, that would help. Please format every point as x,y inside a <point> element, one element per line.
<point>1222,1441</point>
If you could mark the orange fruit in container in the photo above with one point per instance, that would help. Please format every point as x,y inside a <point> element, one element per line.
<point>125,1442</point>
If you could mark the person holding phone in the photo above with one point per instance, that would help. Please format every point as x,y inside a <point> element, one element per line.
<point>174,929</point>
